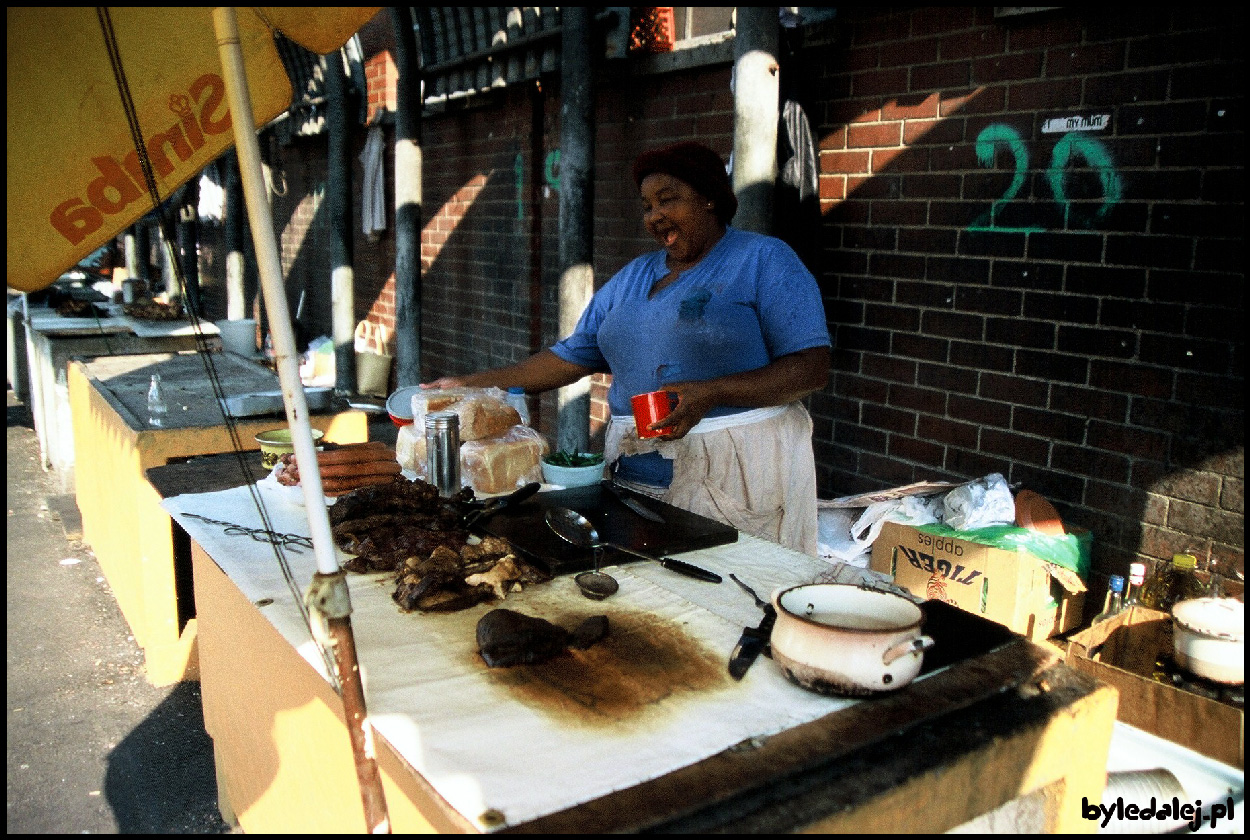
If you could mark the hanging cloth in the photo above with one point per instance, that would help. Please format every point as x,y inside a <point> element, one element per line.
<point>796,206</point>
<point>373,198</point>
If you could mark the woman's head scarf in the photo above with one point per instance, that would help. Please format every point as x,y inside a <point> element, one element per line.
<point>698,166</point>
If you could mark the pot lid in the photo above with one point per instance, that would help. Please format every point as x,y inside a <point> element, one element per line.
<point>1224,618</point>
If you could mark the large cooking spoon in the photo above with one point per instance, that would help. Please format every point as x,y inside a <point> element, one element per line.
<point>572,527</point>
<point>575,528</point>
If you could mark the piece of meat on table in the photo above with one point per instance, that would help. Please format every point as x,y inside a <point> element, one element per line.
<point>506,638</point>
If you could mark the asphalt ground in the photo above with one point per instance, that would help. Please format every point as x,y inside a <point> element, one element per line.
<point>92,746</point>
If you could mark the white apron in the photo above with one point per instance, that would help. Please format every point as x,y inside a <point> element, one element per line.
<point>754,470</point>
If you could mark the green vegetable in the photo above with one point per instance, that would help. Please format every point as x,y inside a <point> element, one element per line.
<point>565,458</point>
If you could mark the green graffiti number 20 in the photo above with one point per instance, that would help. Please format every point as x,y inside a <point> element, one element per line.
<point>1071,145</point>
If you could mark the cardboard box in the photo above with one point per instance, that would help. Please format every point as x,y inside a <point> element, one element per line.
<point>1013,588</point>
<point>1122,652</point>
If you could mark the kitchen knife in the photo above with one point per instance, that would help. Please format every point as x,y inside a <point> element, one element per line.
<point>689,570</point>
<point>634,505</point>
<point>751,644</point>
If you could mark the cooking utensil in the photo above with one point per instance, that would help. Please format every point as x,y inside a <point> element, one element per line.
<point>634,505</point>
<point>596,585</point>
<point>752,642</point>
<point>493,506</point>
<point>846,640</point>
<point>1208,638</point>
<point>576,529</point>
<point>759,602</point>
<point>571,526</point>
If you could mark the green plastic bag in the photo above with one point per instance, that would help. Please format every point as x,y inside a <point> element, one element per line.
<point>1071,551</point>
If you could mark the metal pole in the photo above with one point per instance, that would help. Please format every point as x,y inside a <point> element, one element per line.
<point>408,175</point>
<point>339,198</point>
<point>293,398</point>
<point>577,155</point>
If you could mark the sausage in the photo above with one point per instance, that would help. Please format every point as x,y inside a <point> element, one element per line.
<point>378,467</point>
<point>337,487</point>
<point>355,452</point>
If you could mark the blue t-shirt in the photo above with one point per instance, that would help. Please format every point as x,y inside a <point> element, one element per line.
<point>749,301</point>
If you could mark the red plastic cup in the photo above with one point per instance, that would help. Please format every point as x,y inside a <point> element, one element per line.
<point>650,408</point>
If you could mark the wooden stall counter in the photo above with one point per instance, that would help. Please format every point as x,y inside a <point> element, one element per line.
<point>676,747</point>
<point>145,559</point>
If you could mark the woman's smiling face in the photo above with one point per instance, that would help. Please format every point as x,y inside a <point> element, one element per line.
<point>679,217</point>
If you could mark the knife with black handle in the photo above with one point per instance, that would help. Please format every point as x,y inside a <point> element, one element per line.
<point>635,505</point>
<point>751,644</point>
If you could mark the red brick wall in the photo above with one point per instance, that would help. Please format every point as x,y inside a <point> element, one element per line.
<point>1091,350</point>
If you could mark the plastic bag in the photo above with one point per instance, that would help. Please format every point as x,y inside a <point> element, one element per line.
<point>978,504</point>
<point>1071,552</point>
<point>373,359</point>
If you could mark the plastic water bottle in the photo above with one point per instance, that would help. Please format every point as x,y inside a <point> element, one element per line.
<point>516,399</point>
<point>156,402</point>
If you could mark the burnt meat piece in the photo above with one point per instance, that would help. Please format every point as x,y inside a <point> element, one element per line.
<point>400,496</point>
<point>588,632</point>
<point>438,591</point>
<point>506,638</point>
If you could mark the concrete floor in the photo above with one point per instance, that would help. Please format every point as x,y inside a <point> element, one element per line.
<point>92,747</point>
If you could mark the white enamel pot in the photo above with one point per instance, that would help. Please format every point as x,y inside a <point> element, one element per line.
<point>1208,638</point>
<point>844,640</point>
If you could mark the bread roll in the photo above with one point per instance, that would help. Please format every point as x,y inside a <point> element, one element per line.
<point>484,416</point>
<point>498,464</point>
<point>483,412</point>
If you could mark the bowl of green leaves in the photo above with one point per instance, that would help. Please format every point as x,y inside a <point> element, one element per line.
<point>572,469</point>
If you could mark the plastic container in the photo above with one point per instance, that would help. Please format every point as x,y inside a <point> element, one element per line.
<point>516,399</point>
<point>1172,583</point>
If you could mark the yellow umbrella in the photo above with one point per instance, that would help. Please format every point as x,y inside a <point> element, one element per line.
<point>74,176</point>
<point>110,110</point>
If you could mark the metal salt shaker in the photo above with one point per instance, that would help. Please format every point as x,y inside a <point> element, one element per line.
<point>442,451</point>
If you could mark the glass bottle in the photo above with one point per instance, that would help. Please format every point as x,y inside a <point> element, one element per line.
<point>516,399</point>
<point>156,402</point>
<point>1172,583</point>
<point>1136,577</point>
<point>1113,604</point>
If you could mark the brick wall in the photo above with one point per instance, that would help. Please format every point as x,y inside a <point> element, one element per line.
<point>1062,307</point>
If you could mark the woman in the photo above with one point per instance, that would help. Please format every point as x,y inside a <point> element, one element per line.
<point>730,321</point>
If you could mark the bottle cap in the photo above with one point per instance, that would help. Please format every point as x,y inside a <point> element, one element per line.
<point>516,389</point>
<point>1137,573</point>
<point>1117,583</point>
<point>1184,561</point>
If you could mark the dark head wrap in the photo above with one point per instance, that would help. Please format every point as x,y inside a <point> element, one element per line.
<point>698,166</point>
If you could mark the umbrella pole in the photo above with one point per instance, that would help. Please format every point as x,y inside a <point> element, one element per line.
<point>329,592</point>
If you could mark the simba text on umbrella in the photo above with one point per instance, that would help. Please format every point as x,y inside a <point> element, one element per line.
<point>121,183</point>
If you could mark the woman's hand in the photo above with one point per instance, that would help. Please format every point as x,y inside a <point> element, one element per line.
<point>784,380</point>
<point>443,383</point>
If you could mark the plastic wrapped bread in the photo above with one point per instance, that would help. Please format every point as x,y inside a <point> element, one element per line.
<point>410,448</point>
<point>483,412</point>
<point>498,464</point>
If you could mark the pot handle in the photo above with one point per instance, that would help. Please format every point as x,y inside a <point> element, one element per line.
<point>916,645</point>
